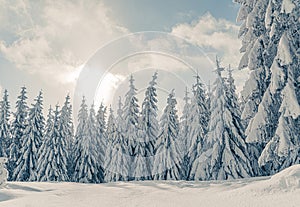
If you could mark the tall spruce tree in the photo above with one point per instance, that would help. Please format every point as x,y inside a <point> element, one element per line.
<point>147,134</point>
<point>168,158</point>
<point>224,155</point>
<point>26,169</point>
<point>86,160</point>
<point>283,149</point>
<point>149,122</point>
<point>101,138</point>
<point>269,23</point>
<point>80,136</point>
<point>17,130</point>
<point>198,123</point>
<point>44,168</point>
<point>5,134</point>
<point>131,117</point>
<point>67,130</point>
<point>117,160</point>
<point>53,159</point>
<point>183,133</point>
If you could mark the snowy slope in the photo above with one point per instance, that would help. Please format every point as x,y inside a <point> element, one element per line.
<point>282,189</point>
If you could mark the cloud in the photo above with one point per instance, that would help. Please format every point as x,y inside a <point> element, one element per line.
<point>216,36</point>
<point>0,90</point>
<point>54,38</point>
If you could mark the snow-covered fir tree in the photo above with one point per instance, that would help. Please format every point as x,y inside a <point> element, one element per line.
<point>117,161</point>
<point>86,158</point>
<point>168,158</point>
<point>283,149</point>
<point>67,130</point>
<point>149,122</point>
<point>43,169</point>
<point>230,85</point>
<point>198,123</point>
<point>224,155</point>
<point>53,157</point>
<point>17,131</point>
<point>101,138</point>
<point>268,24</point>
<point>32,140</point>
<point>147,134</point>
<point>183,133</point>
<point>131,117</point>
<point>5,135</point>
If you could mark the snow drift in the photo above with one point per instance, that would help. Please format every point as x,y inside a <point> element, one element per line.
<point>282,189</point>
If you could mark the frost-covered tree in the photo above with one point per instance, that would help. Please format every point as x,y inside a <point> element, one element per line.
<point>149,122</point>
<point>117,161</point>
<point>26,169</point>
<point>263,29</point>
<point>101,137</point>
<point>147,134</point>
<point>42,168</point>
<point>52,163</point>
<point>5,135</point>
<point>86,161</point>
<point>80,135</point>
<point>131,117</point>
<point>198,123</point>
<point>183,133</point>
<point>17,131</point>
<point>283,149</point>
<point>168,158</point>
<point>67,130</point>
<point>224,155</point>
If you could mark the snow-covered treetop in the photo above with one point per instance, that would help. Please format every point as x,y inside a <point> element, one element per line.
<point>4,107</point>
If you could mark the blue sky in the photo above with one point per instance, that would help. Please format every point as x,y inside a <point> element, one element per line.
<point>140,15</point>
<point>46,44</point>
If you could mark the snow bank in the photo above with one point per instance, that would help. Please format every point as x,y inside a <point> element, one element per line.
<point>287,180</point>
<point>282,189</point>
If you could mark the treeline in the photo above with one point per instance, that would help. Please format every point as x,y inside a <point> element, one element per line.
<point>207,142</point>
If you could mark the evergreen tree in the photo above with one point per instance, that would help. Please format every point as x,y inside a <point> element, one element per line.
<point>32,139</point>
<point>17,131</point>
<point>198,122</point>
<point>147,134</point>
<point>168,159</point>
<point>149,122</point>
<point>267,25</point>
<point>117,161</point>
<point>283,149</point>
<point>224,155</point>
<point>4,125</point>
<point>101,138</point>
<point>81,134</point>
<point>53,159</point>
<point>183,133</point>
<point>131,118</point>
<point>86,160</point>
<point>42,169</point>
<point>67,130</point>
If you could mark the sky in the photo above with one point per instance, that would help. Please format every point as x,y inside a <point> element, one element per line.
<point>91,47</point>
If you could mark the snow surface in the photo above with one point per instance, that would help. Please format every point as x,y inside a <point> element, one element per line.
<point>287,6</point>
<point>282,189</point>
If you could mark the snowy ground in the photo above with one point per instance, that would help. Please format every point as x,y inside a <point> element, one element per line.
<point>282,189</point>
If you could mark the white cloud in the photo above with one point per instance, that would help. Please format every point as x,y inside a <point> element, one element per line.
<point>54,38</point>
<point>0,90</point>
<point>218,36</point>
<point>211,33</point>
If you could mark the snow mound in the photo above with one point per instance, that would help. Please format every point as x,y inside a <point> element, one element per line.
<point>288,179</point>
